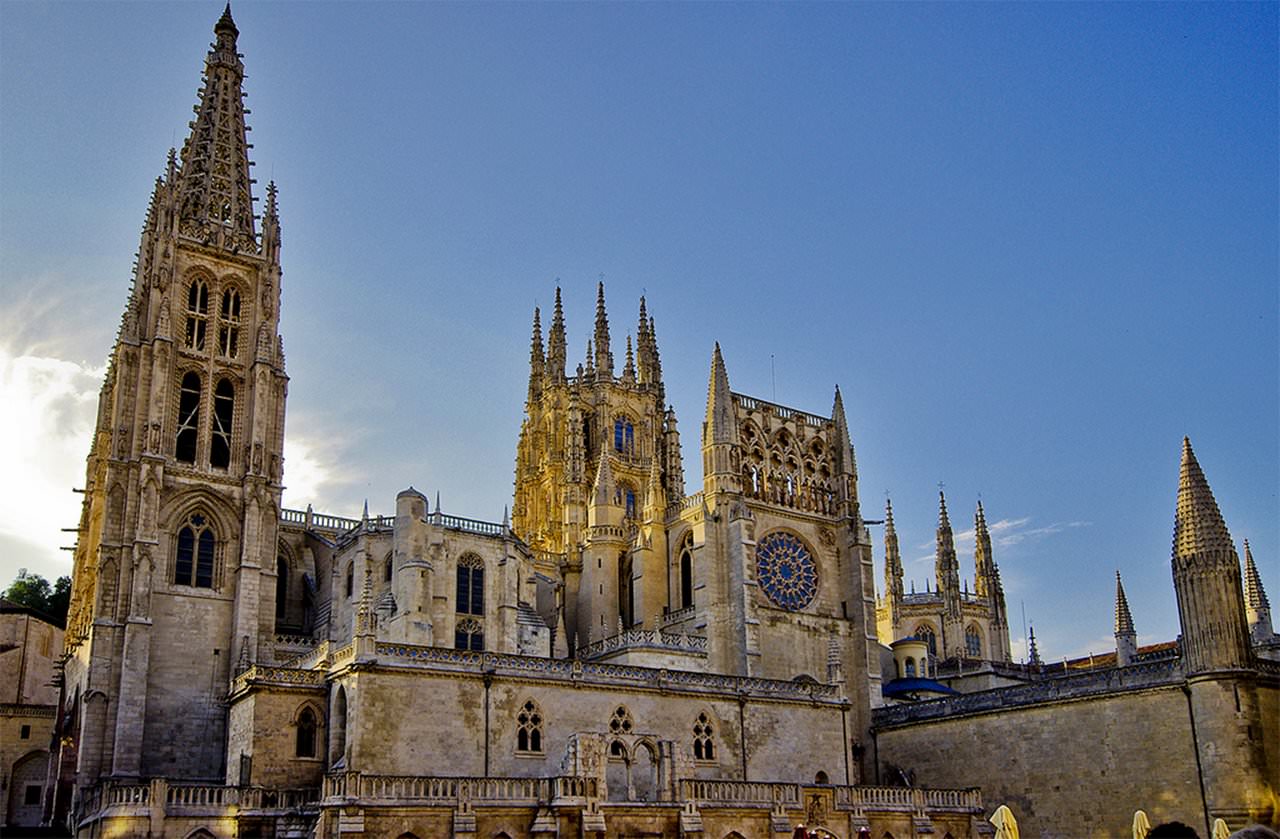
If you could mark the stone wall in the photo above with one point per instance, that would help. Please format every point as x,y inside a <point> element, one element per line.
<point>1067,769</point>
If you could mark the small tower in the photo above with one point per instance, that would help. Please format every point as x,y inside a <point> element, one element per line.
<point>1126,637</point>
<point>1257,608</point>
<point>720,432</point>
<point>947,572</point>
<point>1206,577</point>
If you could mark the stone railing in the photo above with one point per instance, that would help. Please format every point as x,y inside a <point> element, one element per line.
<point>908,798</point>
<point>450,791</point>
<point>603,673</point>
<point>679,616</point>
<point>8,709</point>
<point>300,642</point>
<point>740,793</point>
<point>345,655</point>
<point>482,528</point>
<point>137,799</point>
<point>647,639</point>
<point>750,403</point>
<point>276,675</point>
<point>1087,683</point>
<point>687,503</point>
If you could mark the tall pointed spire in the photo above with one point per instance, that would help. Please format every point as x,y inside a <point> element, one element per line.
<point>603,489</point>
<point>604,358</point>
<point>537,362</point>
<point>629,366</point>
<point>719,432</point>
<point>892,569</point>
<point>1126,636</point>
<point>721,426</point>
<point>947,574</point>
<point>556,342</point>
<point>1257,607</point>
<point>1206,577</point>
<point>215,202</point>
<point>1033,652</point>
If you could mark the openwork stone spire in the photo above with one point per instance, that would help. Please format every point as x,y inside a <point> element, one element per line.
<point>556,352</point>
<point>892,563</point>
<point>1206,577</point>
<point>604,358</point>
<point>1124,619</point>
<point>215,202</point>
<point>1257,607</point>
<point>537,362</point>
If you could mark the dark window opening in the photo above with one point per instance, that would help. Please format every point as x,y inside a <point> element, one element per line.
<point>194,561</point>
<point>188,418</point>
<point>224,407</point>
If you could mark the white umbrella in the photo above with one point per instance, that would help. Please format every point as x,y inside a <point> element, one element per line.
<point>1006,824</point>
<point>1220,829</point>
<point>1141,825</point>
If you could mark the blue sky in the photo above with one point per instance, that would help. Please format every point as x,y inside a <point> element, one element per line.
<point>1034,244</point>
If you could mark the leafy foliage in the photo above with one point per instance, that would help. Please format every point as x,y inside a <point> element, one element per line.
<point>34,592</point>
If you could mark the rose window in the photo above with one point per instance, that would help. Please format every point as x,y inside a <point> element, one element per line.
<point>785,570</point>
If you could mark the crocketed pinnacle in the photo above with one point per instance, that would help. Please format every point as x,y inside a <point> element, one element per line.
<point>629,366</point>
<point>555,340</point>
<point>604,358</point>
<point>1198,527</point>
<point>1124,619</point>
<point>1033,652</point>
<point>215,202</point>
<point>1255,597</point>
<point>537,362</point>
<point>603,489</point>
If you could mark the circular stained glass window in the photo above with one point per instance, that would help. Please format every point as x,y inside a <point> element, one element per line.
<point>785,570</point>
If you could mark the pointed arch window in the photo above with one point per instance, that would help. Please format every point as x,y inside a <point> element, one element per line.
<point>197,314</point>
<point>188,418</point>
<point>229,323</point>
<point>925,633</point>
<point>704,744</point>
<point>469,635</point>
<point>305,736</point>
<point>193,565</point>
<point>529,728</point>
<point>686,573</point>
<point>973,642</point>
<point>351,579</point>
<point>470,585</point>
<point>224,409</point>
<point>624,436</point>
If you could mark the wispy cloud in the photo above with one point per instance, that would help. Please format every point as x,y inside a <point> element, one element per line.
<point>1004,533</point>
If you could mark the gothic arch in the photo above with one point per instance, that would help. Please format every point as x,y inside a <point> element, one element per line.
<point>338,729</point>
<point>315,709</point>
<point>176,508</point>
<point>200,833</point>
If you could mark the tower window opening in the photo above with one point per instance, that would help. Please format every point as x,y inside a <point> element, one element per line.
<point>973,642</point>
<point>229,328</point>
<point>193,565</point>
<point>469,635</point>
<point>686,579</point>
<point>197,314</point>
<point>224,407</point>
<point>188,418</point>
<point>305,743</point>
<point>704,747</point>
<point>529,732</point>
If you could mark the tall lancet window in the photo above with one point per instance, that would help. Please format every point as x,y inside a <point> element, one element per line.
<point>193,565</point>
<point>229,326</point>
<point>224,408</point>
<point>197,314</point>
<point>188,419</point>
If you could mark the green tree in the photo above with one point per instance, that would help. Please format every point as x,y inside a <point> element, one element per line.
<point>34,592</point>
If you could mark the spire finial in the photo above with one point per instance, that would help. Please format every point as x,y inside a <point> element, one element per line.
<point>604,358</point>
<point>225,23</point>
<point>1198,525</point>
<point>943,520</point>
<point>1033,655</point>
<point>1255,597</point>
<point>629,366</point>
<point>556,341</point>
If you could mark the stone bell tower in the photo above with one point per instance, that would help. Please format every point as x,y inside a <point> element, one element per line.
<point>174,575</point>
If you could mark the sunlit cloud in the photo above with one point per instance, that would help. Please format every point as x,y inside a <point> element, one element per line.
<point>46,426</point>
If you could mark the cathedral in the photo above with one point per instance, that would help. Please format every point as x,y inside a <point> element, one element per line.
<point>618,657</point>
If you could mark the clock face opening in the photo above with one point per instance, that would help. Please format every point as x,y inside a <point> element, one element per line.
<point>786,571</point>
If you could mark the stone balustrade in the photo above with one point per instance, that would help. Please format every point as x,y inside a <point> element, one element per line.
<point>112,798</point>
<point>740,793</point>
<point>751,403</point>
<point>648,639</point>
<point>454,791</point>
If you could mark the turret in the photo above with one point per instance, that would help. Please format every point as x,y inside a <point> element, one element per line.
<point>720,432</point>
<point>1126,637</point>
<point>1257,608</point>
<point>1206,578</point>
